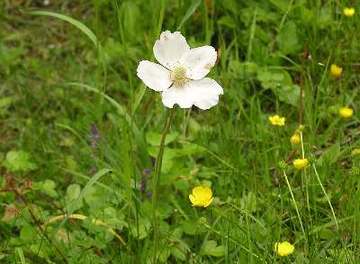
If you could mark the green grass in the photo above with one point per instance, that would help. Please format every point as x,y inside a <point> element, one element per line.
<point>79,134</point>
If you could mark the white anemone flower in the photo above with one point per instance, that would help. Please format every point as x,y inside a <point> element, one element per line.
<point>180,76</point>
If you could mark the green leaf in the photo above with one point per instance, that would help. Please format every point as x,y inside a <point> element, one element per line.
<point>47,187</point>
<point>18,161</point>
<point>210,248</point>
<point>28,233</point>
<point>189,227</point>
<point>179,253</point>
<point>92,181</point>
<point>72,198</point>
<point>190,149</point>
<point>280,82</point>
<point>289,94</point>
<point>154,138</point>
<point>287,39</point>
<point>141,230</point>
<point>72,192</point>
<point>114,217</point>
<point>271,79</point>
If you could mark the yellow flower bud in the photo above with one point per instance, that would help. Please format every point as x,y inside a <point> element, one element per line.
<point>335,70</point>
<point>300,128</point>
<point>283,249</point>
<point>300,163</point>
<point>346,112</point>
<point>277,120</point>
<point>201,196</point>
<point>295,139</point>
<point>349,11</point>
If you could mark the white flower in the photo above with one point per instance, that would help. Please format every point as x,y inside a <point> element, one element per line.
<point>181,76</point>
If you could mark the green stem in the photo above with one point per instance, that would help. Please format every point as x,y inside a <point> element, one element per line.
<point>305,174</point>
<point>326,196</point>
<point>155,182</point>
<point>302,145</point>
<point>294,202</point>
<point>186,123</point>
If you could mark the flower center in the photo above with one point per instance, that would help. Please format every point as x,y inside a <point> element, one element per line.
<point>178,76</point>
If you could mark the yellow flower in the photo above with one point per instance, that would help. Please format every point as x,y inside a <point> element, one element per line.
<point>201,196</point>
<point>284,249</point>
<point>346,112</point>
<point>349,11</point>
<point>295,139</point>
<point>277,120</point>
<point>335,70</point>
<point>300,163</point>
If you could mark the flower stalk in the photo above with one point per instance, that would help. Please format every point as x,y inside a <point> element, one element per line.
<point>156,178</point>
<point>294,203</point>
<point>326,196</point>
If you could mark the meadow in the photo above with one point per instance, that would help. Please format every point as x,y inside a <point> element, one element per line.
<point>106,157</point>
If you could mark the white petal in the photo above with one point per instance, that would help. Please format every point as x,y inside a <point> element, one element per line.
<point>201,93</point>
<point>177,95</point>
<point>170,48</point>
<point>154,75</point>
<point>199,61</point>
<point>205,92</point>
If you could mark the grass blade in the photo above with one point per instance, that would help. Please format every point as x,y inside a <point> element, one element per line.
<point>72,21</point>
<point>189,12</point>
<point>93,180</point>
<point>20,253</point>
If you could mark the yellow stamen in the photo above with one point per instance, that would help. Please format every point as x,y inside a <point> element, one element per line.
<point>178,76</point>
